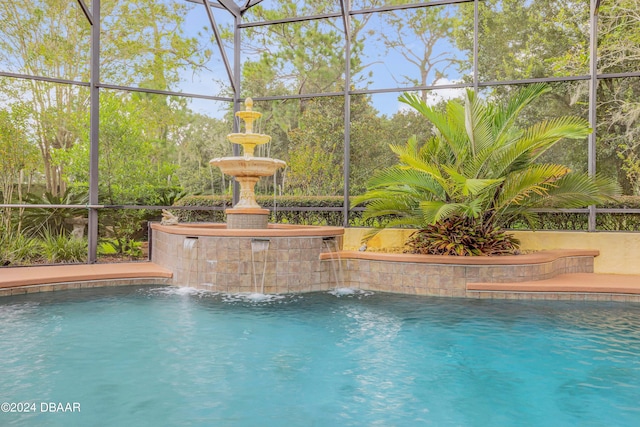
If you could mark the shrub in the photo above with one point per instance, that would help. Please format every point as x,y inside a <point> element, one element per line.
<point>461,236</point>
<point>63,249</point>
<point>282,213</point>
<point>18,249</point>
<point>40,221</point>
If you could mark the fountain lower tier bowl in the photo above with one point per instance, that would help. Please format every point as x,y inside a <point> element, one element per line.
<point>248,166</point>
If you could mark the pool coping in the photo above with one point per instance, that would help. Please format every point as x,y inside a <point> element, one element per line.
<point>21,280</point>
<point>507,260</point>
<point>207,229</point>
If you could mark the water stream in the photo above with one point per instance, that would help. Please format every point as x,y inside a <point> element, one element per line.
<point>190,253</point>
<point>259,246</point>
<point>336,263</point>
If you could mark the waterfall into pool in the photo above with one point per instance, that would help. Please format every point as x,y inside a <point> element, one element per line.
<point>259,250</point>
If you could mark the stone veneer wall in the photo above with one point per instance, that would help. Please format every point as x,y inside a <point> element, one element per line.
<point>294,264</point>
<point>226,264</point>
<point>448,279</point>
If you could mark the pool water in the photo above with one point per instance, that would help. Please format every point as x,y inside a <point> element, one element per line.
<point>161,356</point>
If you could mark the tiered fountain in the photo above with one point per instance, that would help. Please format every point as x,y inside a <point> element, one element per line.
<point>227,257</point>
<point>247,170</point>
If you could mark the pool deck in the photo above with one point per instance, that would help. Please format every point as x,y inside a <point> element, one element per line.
<point>21,280</point>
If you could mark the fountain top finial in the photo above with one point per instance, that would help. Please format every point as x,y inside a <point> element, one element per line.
<point>248,103</point>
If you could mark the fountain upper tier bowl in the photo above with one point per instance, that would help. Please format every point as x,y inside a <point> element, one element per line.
<point>248,166</point>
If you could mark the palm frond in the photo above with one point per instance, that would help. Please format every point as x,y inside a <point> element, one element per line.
<point>442,121</point>
<point>470,186</point>
<point>518,187</point>
<point>477,124</point>
<point>543,135</point>
<point>435,210</point>
<point>411,177</point>
<point>577,190</point>
<point>504,118</point>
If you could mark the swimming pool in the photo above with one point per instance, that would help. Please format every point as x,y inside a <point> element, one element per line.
<point>164,356</point>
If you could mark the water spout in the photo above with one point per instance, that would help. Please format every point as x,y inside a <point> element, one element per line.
<point>336,263</point>
<point>190,255</point>
<point>259,246</point>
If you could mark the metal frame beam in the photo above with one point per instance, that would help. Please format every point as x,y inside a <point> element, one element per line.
<point>346,167</point>
<point>94,132</point>
<point>593,90</point>
<point>476,44</point>
<point>216,33</point>
<point>44,79</point>
<point>162,92</point>
<point>389,8</point>
<point>237,41</point>
<point>86,11</point>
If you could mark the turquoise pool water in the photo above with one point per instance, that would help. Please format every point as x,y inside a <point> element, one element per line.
<point>157,356</point>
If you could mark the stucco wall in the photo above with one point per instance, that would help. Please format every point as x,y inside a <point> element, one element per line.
<point>619,252</point>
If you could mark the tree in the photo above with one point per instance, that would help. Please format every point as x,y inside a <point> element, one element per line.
<point>423,38</point>
<point>618,106</point>
<point>521,40</point>
<point>130,165</point>
<point>200,140</point>
<point>18,157</point>
<point>477,174</point>
<point>143,43</point>
<point>47,38</point>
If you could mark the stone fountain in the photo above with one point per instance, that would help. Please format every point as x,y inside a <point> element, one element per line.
<point>247,170</point>
<point>247,250</point>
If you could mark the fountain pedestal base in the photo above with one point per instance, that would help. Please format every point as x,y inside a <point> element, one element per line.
<point>251,218</point>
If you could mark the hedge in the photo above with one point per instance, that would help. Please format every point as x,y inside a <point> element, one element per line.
<point>282,213</point>
<point>307,214</point>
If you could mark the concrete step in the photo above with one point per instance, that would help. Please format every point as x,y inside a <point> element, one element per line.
<point>574,282</point>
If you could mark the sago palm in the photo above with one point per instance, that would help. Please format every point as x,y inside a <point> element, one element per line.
<point>480,171</point>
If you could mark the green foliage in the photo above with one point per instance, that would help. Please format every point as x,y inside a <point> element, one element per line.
<point>481,167</point>
<point>199,140</point>
<point>58,248</point>
<point>55,221</point>
<point>520,40</point>
<point>610,221</point>
<point>219,202</point>
<point>130,248</point>
<point>18,157</point>
<point>142,44</point>
<point>18,249</point>
<point>279,214</point>
<point>122,227</point>
<point>461,236</point>
<point>316,159</point>
<point>169,196</point>
<point>618,107</point>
